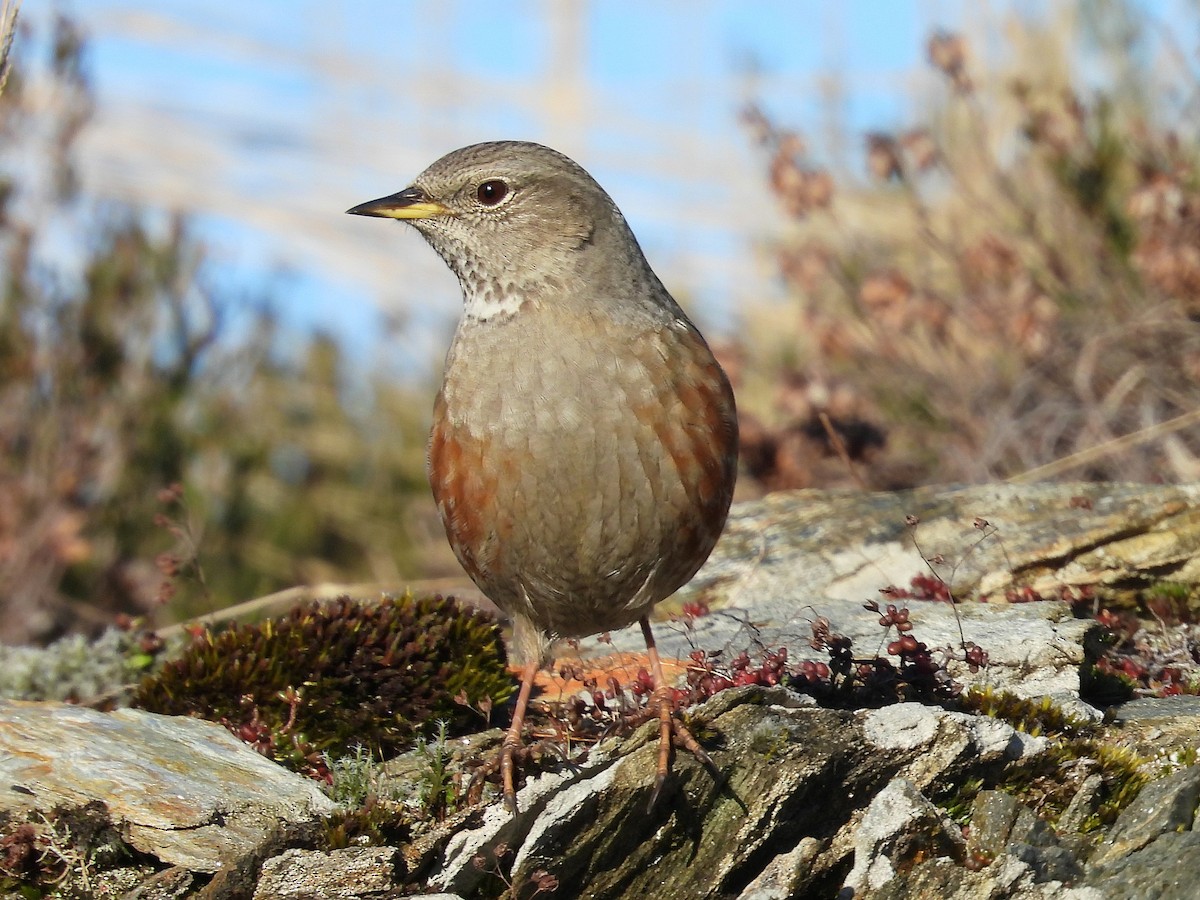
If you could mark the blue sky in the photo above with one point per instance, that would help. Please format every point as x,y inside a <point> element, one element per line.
<point>268,119</point>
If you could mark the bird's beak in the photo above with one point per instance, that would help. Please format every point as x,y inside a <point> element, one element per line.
<point>410,203</point>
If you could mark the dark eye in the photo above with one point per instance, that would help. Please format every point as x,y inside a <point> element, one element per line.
<point>492,192</point>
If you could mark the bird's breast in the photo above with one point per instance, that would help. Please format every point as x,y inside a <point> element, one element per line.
<point>577,457</point>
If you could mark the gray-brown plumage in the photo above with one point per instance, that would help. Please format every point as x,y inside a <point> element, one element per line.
<point>584,443</point>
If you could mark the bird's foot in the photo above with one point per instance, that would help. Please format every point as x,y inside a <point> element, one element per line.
<point>513,754</point>
<point>511,746</point>
<point>672,732</point>
<point>506,766</point>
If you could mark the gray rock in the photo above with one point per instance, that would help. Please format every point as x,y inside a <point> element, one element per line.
<point>1164,870</point>
<point>169,884</point>
<point>782,877</point>
<point>1007,879</point>
<point>899,826</point>
<point>1082,806</point>
<point>1164,806</point>
<point>793,556</point>
<point>349,874</point>
<point>1153,708</point>
<point>705,837</point>
<point>944,742</point>
<point>183,790</point>
<point>1048,865</point>
<point>993,815</point>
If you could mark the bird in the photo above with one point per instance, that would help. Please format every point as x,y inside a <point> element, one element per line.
<point>584,443</point>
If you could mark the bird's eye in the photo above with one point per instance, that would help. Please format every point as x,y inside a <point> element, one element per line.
<point>490,193</point>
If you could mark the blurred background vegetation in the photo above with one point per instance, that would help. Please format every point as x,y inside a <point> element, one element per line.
<point>154,446</point>
<point>1014,282</point>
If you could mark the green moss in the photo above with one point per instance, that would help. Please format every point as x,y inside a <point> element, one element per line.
<point>1040,784</point>
<point>1036,717</point>
<point>958,805</point>
<point>1169,590</point>
<point>326,678</point>
<point>1172,601</point>
<point>1124,776</point>
<point>377,823</point>
<point>769,740</point>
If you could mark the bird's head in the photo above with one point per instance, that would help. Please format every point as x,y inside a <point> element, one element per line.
<point>509,212</point>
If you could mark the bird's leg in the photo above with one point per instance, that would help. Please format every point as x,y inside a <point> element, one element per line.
<point>662,696</point>
<point>512,739</point>
<point>668,725</point>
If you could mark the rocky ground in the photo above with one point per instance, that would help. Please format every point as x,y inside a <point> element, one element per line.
<point>1002,782</point>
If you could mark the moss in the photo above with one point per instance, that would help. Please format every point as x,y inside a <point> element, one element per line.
<point>1172,601</point>
<point>1169,590</point>
<point>1044,782</point>
<point>1040,782</point>
<point>1124,776</point>
<point>959,803</point>
<point>770,740</point>
<point>326,678</point>
<point>1036,717</point>
<point>377,823</point>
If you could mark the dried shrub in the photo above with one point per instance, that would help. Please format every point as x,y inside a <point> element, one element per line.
<point>1017,281</point>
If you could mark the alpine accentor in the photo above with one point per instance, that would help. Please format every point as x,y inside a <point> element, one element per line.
<point>584,442</point>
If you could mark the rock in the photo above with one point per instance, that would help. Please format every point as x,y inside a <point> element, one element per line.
<point>1000,826</point>
<point>942,743</point>
<point>1161,729</point>
<point>804,802</point>
<point>704,838</point>
<point>899,827</point>
<point>782,877</point>
<point>349,874</point>
<point>792,776</point>
<point>1082,806</point>
<point>169,884</point>
<point>1007,879</point>
<point>813,801</point>
<point>809,801</point>
<point>1163,807</point>
<point>183,790</point>
<point>1147,709</point>
<point>1164,870</point>
<point>793,556</point>
<point>826,544</point>
<point>1010,853</point>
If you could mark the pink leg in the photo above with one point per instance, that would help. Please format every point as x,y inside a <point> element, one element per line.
<point>512,739</point>
<point>668,725</point>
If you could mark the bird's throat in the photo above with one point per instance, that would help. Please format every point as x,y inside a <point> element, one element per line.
<point>492,301</point>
